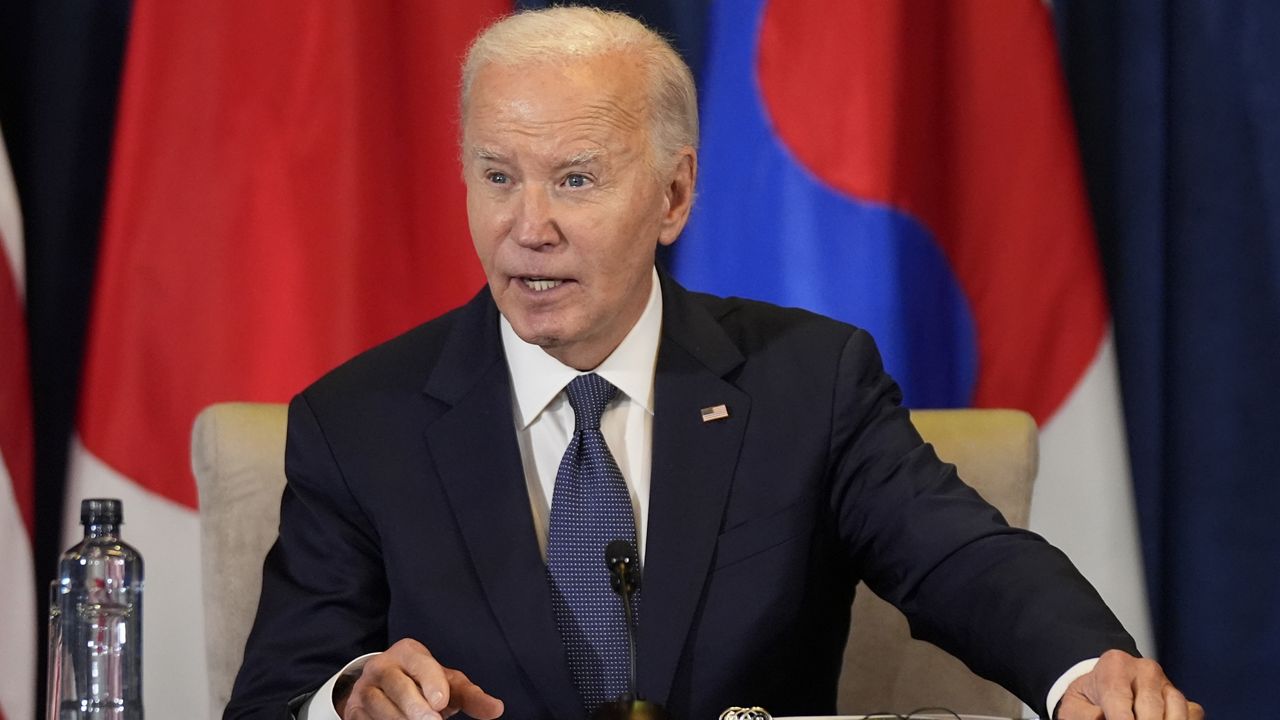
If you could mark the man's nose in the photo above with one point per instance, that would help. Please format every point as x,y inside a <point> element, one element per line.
<point>535,225</point>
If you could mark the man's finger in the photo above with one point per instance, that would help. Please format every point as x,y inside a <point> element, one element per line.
<point>372,704</point>
<point>432,682</point>
<point>406,694</point>
<point>1149,703</point>
<point>1117,699</point>
<point>1175,704</point>
<point>1077,707</point>
<point>471,698</point>
<point>391,685</point>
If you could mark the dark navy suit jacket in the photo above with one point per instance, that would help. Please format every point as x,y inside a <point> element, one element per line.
<point>407,515</point>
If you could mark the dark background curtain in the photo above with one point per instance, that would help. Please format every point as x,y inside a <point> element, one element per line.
<point>1178,108</point>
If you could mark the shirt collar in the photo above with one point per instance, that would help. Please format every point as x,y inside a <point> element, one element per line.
<point>537,378</point>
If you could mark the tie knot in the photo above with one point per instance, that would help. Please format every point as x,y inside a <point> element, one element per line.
<point>588,396</point>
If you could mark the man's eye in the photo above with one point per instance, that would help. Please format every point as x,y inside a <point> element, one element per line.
<point>576,180</point>
<point>498,178</point>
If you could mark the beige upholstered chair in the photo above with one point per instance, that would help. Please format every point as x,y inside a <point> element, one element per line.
<point>237,452</point>
<point>996,451</point>
<point>238,458</point>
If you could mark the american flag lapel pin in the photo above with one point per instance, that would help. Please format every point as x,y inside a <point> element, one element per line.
<point>715,412</point>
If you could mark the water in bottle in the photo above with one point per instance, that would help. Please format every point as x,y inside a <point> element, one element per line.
<point>95,622</point>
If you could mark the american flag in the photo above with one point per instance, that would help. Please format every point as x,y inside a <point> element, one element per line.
<point>715,412</point>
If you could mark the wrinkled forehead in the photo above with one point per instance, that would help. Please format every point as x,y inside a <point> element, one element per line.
<point>603,92</point>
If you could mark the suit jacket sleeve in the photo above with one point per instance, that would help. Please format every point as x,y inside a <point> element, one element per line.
<point>1010,605</point>
<point>324,596</point>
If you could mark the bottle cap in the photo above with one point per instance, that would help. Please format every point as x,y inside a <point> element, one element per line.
<point>101,511</point>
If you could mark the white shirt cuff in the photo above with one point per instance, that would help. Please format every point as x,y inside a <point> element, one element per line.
<point>1059,688</point>
<point>320,705</point>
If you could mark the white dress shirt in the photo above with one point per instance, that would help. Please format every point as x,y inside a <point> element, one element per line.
<point>544,419</point>
<point>544,424</point>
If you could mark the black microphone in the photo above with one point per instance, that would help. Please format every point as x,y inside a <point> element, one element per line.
<point>624,576</point>
<point>624,568</point>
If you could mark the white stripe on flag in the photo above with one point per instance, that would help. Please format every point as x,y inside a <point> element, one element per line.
<point>168,536</point>
<point>17,591</point>
<point>11,223</point>
<point>1083,500</point>
<point>17,621</point>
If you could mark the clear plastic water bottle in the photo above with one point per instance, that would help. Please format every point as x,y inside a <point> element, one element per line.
<point>95,622</point>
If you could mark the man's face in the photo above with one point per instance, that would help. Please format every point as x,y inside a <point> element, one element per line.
<point>565,206</point>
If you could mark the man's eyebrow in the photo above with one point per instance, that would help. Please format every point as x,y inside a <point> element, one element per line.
<point>484,153</point>
<point>578,159</point>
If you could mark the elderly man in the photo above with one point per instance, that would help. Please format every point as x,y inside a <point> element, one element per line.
<point>451,492</point>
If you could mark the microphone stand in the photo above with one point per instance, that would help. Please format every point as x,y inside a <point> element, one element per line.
<point>621,558</point>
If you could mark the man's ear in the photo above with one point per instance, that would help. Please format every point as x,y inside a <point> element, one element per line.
<point>679,195</point>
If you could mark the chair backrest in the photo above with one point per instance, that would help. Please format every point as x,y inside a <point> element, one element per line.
<point>237,452</point>
<point>996,452</point>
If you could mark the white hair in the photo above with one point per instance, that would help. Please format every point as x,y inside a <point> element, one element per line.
<point>564,34</point>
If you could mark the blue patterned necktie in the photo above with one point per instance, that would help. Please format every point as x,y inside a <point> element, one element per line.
<point>590,506</point>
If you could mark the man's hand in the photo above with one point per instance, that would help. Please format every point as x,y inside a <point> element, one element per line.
<point>406,683</point>
<point>1123,687</point>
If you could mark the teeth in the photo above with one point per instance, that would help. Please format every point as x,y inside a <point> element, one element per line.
<point>540,285</point>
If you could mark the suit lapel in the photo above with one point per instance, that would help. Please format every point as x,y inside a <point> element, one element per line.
<point>473,445</point>
<point>693,465</point>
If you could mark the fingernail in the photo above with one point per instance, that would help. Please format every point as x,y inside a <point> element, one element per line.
<point>437,699</point>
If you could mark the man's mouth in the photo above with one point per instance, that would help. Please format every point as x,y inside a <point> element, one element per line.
<point>541,284</point>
